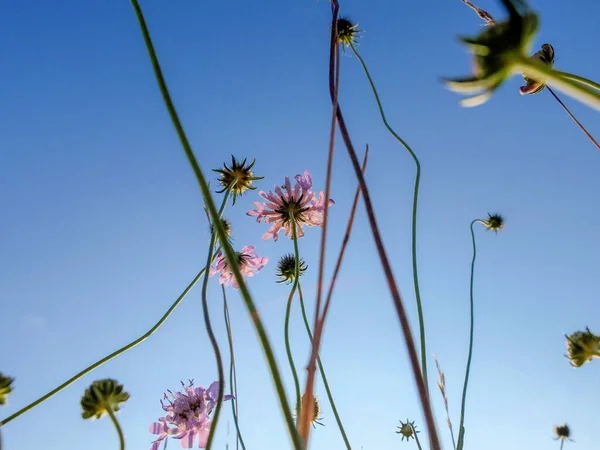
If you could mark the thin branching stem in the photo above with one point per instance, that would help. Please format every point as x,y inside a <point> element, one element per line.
<point>232,372</point>
<point>414,216</point>
<point>228,250</point>
<point>397,299</point>
<point>322,371</point>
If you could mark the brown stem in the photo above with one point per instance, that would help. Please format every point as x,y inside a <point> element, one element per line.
<point>401,312</point>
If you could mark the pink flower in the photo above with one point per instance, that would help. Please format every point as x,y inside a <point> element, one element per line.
<point>301,202</point>
<point>248,261</point>
<point>188,413</point>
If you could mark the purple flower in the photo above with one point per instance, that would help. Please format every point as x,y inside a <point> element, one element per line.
<point>248,262</point>
<point>187,415</point>
<point>301,202</point>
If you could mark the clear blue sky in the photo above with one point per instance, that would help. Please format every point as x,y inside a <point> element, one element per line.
<point>102,223</point>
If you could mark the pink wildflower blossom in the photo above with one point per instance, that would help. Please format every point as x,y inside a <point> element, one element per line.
<point>248,261</point>
<point>187,415</point>
<point>301,202</point>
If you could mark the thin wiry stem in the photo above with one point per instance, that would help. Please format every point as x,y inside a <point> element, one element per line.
<point>208,325</point>
<point>232,373</point>
<point>115,422</point>
<point>562,442</point>
<point>590,137</point>
<point>229,252</point>
<point>114,354</point>
<point>461,428</point>
<point>400,310</point>
<point>414,216</point>
<point>322,371</point>
<point>319,322</point>
<point>416,437</point>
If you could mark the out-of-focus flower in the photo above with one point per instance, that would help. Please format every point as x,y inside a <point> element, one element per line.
<point>496,51</point>
<point>316,416</point>
<point>347,31</point>
<point>226,226</point>
<point>407,430</point>
<point>5,388</point>
<point>187,415</point>
<point>582,346</point>
<point>546,56</point>
<point>494,222</point>
<point>286,202</point>
<point>286,268</point>
<point>238,175</point>
<point>563,433</point>
<point>248,262</point>
<point>102,396</point>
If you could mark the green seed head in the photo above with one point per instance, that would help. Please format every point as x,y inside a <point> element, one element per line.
<point>286,268</point>
<point>101,396</point>
<point>5,388</point>
<point>582,346</point>
<point>238,175</point>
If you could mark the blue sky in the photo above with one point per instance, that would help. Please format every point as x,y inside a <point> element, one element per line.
<point>103,227</point>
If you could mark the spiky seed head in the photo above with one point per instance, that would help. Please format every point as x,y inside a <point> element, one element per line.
<point>562,432</point>
<point>407,429</point>
<point>101,396</point>
<point>494,222</point>
<point>348,33</point>
<point>238,175</point>
<point>286,268</point>
<point>582,346</point>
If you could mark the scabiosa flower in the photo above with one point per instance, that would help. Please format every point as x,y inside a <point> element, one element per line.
<point>248,262</point>
<point>347,32</point>
<point>187,415</point>
<point>582,346</point>
<point>407,430</point>
<point>226,224</point>
<point>286,268</point>
<point>496,51</point>
<point>301,202</point>
<point>494,222</point>
<point>563,433</point>
<point>5,388</point>
<point>546,56</point>
<point>238,175</point>
<point>101,396</point>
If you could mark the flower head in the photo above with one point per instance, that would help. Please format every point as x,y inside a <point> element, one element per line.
<point>102,396</point>
<point>248,262</point>
<point>237,175</point>
<point>582,346</point>
<point>347,32</point>
<point>407,430</point>
<point>546,56</point>
<point>286,205</point>
<point>562,432</point>
<point>187,415</point>
<point>495,52</point>
<point>316,416</point>
<point>226,224</point>
<point>5,388</point>
<point>494,222</point>
<point>286,268</point>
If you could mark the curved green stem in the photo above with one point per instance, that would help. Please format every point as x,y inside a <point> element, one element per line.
<point>416,438</point>
<point>208,325</point>
<point>414,216</point>
<point>461,428</point>
<point>115,422</point>
<point>228,250</point>
<point>584,90</point>
<point>288,348</point>
<point>112,355</point>
<point>322,370</point>
<point>232,372</point>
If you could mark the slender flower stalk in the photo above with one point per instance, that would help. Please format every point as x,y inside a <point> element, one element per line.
<point>229,252</point>
<point>115,422</point>
<point>208,324</point>
<point>395,292</point>
<point>114,354</point>
<point>494,223</point>
<point>232,373</point>
<point>414,215</point>
<point>323,376</point>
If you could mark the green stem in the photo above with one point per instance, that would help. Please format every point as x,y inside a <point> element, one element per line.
<point>232,372</point>
<point>416,438</point>
<point>414,216</point>
<point>112,416</point>
<point>562,81</point>
<point>562,442</point>
<point>208,325</point>
<point>229,252</point>
<point>288,309</point>
<point>325,382</point>
<point>579,79</point>
<point>112,355</point>
<point>461,428</point>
